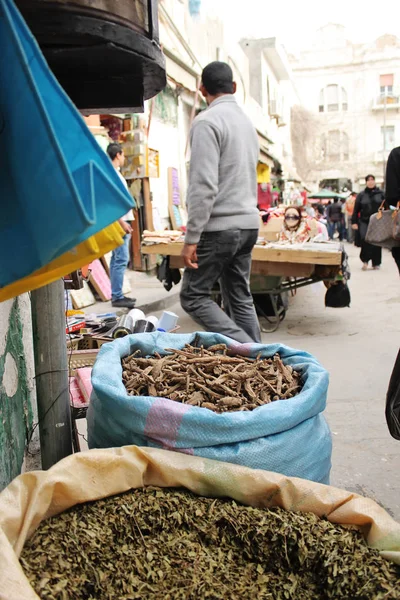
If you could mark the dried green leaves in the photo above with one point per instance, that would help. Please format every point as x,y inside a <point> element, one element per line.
<point>211,379</point>
<point>172,545</point>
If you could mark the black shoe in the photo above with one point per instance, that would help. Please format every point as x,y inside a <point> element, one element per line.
<point>124,302</point>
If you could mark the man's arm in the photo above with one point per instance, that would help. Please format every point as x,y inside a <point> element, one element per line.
<point>125,226</point>
<point>392,189</point>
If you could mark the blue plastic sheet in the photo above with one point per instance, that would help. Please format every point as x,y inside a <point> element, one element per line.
<point>57,186</point>
<point>289,437</point>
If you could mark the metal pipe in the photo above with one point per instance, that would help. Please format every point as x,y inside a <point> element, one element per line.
<point>384,138</point>
<point>51,366</point>
<point>192,114</point>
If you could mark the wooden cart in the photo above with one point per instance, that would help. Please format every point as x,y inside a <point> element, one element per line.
<point>276,269</point>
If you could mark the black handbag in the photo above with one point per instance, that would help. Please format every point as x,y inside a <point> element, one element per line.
<point>338,295</point>
<point>393,401</point>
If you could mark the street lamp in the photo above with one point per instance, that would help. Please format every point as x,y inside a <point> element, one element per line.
<point>384,135</point>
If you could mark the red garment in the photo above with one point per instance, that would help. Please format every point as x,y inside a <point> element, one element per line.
<point>264,196</point>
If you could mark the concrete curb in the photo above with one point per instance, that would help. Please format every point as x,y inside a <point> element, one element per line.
<point>161,304</point>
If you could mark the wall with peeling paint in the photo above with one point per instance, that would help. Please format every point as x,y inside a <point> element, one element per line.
<point>17,386</point>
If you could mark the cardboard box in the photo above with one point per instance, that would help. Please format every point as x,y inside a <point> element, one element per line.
<point>270,231</point>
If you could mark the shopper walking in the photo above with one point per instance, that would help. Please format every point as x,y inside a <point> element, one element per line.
<point>223,219</point>
<point>120,256</point>
<point>335,219</point>
<point>367,204</point>
<point>392,190</point>
<point>349,209</point>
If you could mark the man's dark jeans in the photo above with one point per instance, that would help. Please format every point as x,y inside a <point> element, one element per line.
<point>223,256</point>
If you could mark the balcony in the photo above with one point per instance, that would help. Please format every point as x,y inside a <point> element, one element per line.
<point>105,53</point>
<point>392,103</point>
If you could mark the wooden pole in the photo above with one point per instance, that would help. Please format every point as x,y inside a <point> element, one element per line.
<point>148,209</point>
<point>51,366</point>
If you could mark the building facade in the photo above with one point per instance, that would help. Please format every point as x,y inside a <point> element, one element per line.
<point>348,119</point>
<point>191,40</point>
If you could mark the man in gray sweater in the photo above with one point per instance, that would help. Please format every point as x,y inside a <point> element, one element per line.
<point>223,219</point>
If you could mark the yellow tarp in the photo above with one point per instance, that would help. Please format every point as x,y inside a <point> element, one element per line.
<point>94,247</point>
<point>96,474</point>
<point>263,173</point>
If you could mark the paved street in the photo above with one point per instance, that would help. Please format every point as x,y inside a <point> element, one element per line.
<point>358,346</point>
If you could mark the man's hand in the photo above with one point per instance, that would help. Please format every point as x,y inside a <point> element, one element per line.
<point>125,226</point>
<point>189,255</point>
<point>354,226</point>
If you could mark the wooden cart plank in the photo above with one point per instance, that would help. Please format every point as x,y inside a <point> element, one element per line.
<point>262,267</point>
<point>315,256</point>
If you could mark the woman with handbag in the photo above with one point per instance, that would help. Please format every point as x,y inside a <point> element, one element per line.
<point>367,204</point>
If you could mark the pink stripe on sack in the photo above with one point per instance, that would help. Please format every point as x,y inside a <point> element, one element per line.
<point>241,349</point>
<point>163,421</point>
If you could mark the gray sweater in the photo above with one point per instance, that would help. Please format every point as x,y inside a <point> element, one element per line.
<point>222,190</point>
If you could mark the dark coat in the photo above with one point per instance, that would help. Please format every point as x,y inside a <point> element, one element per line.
<point>392,190</point>
<point>334,212</point>
<point>367,204</point>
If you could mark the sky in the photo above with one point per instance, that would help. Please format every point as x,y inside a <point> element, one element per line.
<point>293,22</point>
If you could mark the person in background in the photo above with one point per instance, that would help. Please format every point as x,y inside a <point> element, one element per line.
<point>392,190</point>
<point>367,203</point>
<point>295,229</point>
<point>335,219</point>
<point>223,219</point>
<point>120,256</point>
<point>310,210</point>
<point>349,209</point>
<point>321,223</point>
<point>320,214</point>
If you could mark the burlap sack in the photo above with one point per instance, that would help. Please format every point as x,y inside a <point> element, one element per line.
<point>96,474</point>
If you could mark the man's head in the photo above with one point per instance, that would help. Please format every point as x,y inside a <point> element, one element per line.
<point>370,181</point>
<point>217,80</point>
<point>116,154</point>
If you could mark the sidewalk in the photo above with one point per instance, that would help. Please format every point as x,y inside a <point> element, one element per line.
<point>150,294</point>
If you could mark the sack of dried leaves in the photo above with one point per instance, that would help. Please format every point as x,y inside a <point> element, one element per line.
<point>251,404</point>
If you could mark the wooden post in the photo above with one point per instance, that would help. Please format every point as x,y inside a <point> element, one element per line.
<point>137,259</point>
<point>148,209</point>
<point>51,366</point>
<point>148,217</point>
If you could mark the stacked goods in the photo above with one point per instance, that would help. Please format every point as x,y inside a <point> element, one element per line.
<point>264,402</point>
<point>172,545</point>
<point>211,378</point>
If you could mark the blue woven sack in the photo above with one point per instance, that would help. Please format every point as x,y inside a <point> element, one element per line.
<point>289,437</point>
<point>57,186</point>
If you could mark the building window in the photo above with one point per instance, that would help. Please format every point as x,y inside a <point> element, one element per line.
<point>335,146</point>
<point>386,85</point>
<point>344,99</point>
<point>333,98</point>
<point>387,137</point>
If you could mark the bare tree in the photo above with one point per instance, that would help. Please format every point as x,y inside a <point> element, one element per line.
<point>306,142</point>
